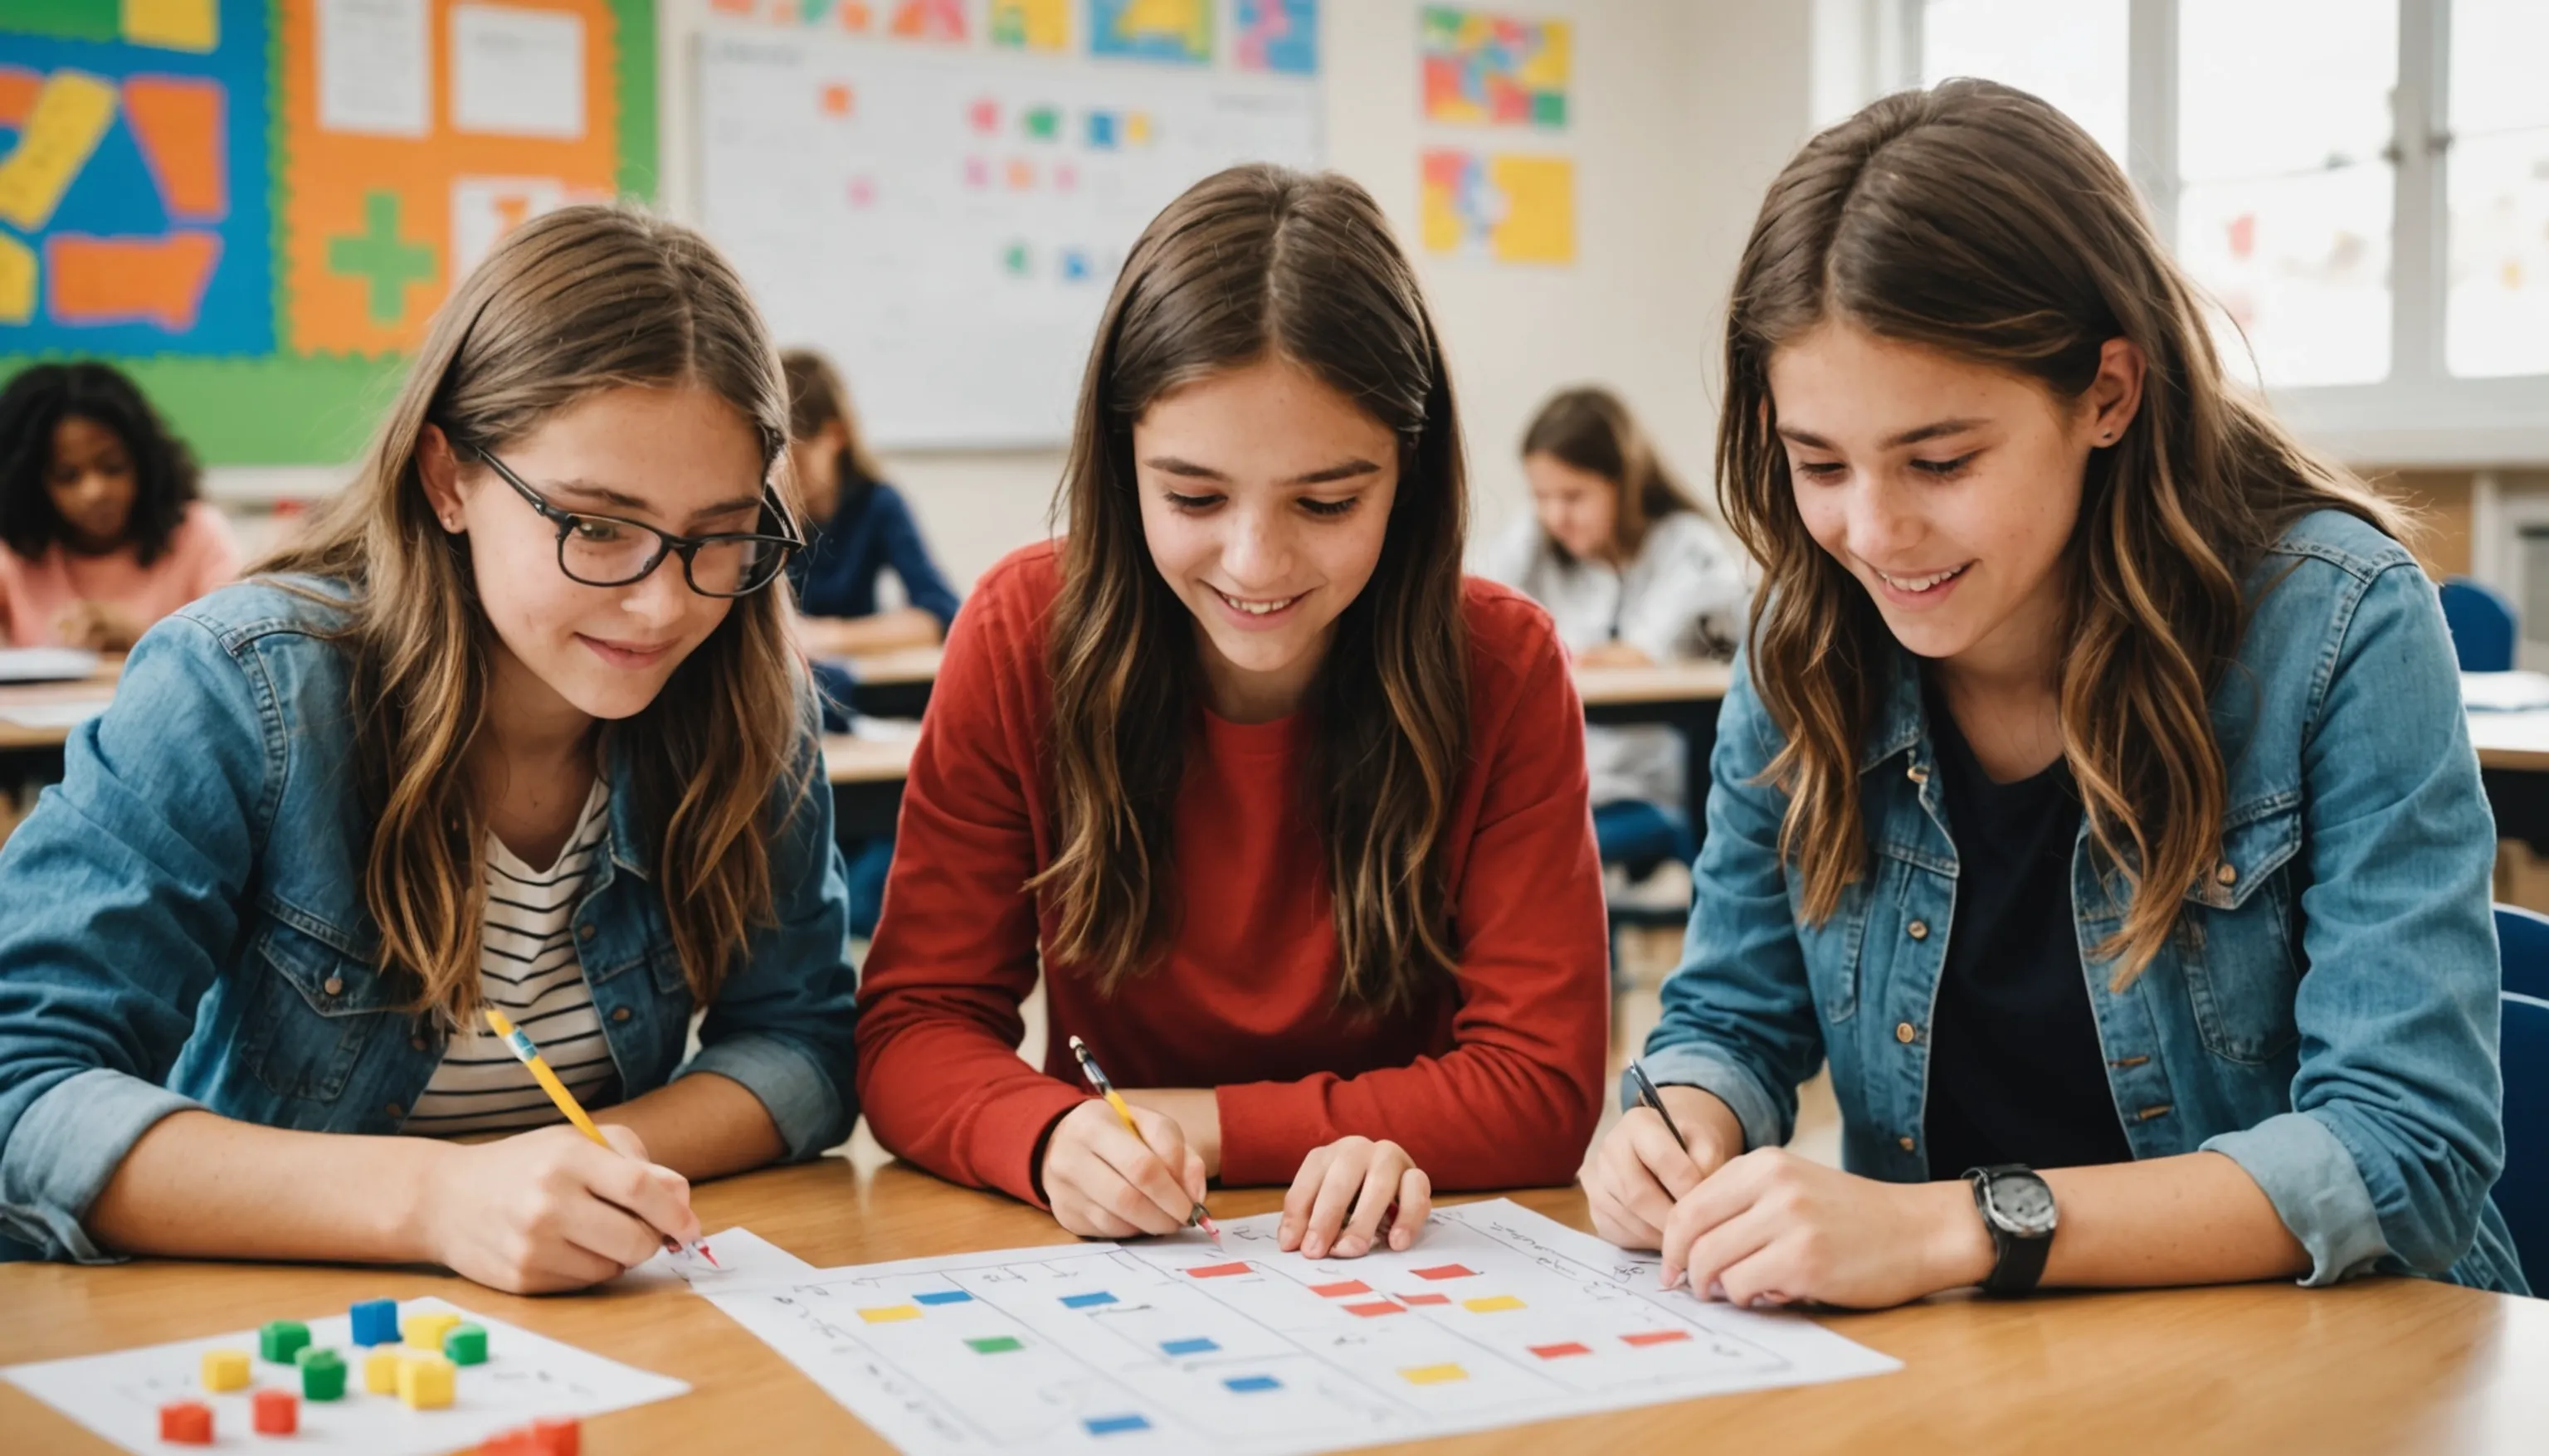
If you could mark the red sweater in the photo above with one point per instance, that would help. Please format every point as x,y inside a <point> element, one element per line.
<point>1495,1085</point>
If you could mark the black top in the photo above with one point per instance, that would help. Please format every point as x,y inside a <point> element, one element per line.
<point>2015,1071</point>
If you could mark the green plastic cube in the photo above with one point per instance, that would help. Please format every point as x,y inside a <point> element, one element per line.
<point>283,1340</point>
<point>467,1344</point>
<point>322,1374</point>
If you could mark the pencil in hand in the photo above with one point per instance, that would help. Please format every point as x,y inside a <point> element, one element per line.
<point>1098,1079</point>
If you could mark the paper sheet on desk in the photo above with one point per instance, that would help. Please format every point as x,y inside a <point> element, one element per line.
<point>45,665</point>
<point>1496,1318</point>
<point>2505,692</point>
<point>745,1260</point>
<point>52,714</point>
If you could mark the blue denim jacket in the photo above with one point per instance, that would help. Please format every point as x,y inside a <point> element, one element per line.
<point>182,924</point>
<point>2327,1015</point>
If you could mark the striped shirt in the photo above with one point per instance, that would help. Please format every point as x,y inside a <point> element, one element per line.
<point>526,968</point>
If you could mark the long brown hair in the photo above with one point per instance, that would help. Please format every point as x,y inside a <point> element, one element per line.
<point>1589,428</point>
<point>1254,262</point>
<point>580,301</point>
<point>816,398</point>
<point>1977,220</point>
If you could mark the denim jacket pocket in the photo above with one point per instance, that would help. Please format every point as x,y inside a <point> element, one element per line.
<point>307,1019</point>
<point>2237,936</point>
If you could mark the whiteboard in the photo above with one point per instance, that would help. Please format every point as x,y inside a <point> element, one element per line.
<point>946,223</point>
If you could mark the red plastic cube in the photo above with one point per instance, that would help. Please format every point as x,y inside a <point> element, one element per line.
<point>278,1412</point>
<point>186,1423</point>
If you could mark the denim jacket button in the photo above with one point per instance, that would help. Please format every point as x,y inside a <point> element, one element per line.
<point>395,1111</point>
<point>336,986</point>
<point>620,1015</point>
<point>417,1041</point>
<point>1904,1032</point>
<point>1916,773</point>
<point>1918,930</point>
<point>584,931</point>
<point>2226,876</point>
<point>1905,1141</point>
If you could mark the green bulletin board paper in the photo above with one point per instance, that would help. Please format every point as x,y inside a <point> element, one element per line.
<point>317,409</point>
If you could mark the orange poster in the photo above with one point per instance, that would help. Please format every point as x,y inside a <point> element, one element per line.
<point>416,133</point>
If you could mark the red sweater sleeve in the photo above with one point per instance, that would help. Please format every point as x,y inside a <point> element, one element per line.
<point>1515,1100</point>
<point>955,953</point>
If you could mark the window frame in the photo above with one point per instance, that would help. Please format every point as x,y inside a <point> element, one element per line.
<point>2421,416</point>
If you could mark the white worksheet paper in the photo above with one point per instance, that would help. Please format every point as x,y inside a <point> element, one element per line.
<point>1498,1316</point>
<point>526,1377</point>
<point>375,68</point>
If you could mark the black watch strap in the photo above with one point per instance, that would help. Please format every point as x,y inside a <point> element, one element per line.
<point>2018,1261</point>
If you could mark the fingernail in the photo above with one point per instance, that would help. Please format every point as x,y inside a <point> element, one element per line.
<point>1313,1245</point>
<point>1351,1246</point>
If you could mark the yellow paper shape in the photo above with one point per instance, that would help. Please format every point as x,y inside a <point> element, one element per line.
<point>1032,24</point>
<point>1539,224</point>
<point>226,1370</point>
<point>1137,129</point>
<point>890,1314</point>
<point>381,1372</point>
<point>17,281</point>
<point>426,1331</point>
<point>425,1382</point>
<point>1490,1304</point>
<point>1433,1374</point>
<point>70,113</point>
<point>172,25</point>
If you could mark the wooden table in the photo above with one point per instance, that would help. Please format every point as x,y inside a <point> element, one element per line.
<point>2383,1365</point>
<point>2513,761</point>
<point>96,688</point>
<point>866,774</point>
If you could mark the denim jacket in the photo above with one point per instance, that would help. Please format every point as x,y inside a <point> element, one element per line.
<point>182,924</point>
<point>2325,1015</point>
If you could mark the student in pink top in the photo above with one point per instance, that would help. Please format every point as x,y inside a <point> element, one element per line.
<point>100,531</point>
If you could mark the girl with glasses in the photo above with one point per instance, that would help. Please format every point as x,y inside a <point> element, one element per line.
<point>1291,816</point>
<point>515,725</point>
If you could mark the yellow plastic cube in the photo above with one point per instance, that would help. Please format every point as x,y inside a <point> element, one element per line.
<point>426,1331</point>
<point>381,1372</point>
<point>226,1370</point>
<point>425,1382</point>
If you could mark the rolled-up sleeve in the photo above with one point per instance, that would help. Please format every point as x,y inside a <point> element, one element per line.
<point>785,1024</point>
<point>121,888</point>
<point>1739,1016</point>
<point>2397,1130</point>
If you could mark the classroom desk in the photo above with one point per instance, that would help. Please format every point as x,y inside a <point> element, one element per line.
<point>2382,1365</point>
<point>2514,763</point>
<point>1679,694</point>
<point>866,774</point>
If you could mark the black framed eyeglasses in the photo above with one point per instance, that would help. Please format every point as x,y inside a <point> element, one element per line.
<point>614,551</point>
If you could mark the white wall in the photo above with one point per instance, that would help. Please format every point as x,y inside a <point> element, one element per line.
<point>1681,110</point>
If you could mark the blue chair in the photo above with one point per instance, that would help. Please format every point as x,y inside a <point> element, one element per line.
<point>2483,625</point>
<point>2522,949</point>
<point>2522,1193</point>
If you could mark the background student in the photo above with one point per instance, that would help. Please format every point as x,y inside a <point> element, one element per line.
<point>1301,813</point>
<point>1632,572</point>
<point>100,531</point>
<point>857,528</point>
<point>2084,712</point>
<point>517,724</point>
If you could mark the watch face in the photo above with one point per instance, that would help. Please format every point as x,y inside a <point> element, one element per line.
<point>2023,1204</point>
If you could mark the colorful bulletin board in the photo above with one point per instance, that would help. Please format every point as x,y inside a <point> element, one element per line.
<point>1482,71</point>
<point>254,206</point>
<point>1506,207</point>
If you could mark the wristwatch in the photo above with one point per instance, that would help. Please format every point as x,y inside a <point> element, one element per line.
<point>2017,1208</point>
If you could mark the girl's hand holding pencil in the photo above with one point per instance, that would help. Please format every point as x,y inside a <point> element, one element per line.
<point>560,1207</point>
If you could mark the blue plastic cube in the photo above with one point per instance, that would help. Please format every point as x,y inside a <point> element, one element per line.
<point>376,1323</point>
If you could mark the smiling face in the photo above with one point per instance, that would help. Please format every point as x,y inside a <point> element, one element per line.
<point>1947,489</point>
<point>1265,497</point>
<point>92,480</point>
<point>1579,508</point>
<point>678,459</point>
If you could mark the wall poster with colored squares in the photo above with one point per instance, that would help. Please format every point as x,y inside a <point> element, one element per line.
<point>255,205</point>
<point>945,221</point>
<point>1498,1317</point>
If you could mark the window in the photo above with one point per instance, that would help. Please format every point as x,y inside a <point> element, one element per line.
<point>2362,186</point>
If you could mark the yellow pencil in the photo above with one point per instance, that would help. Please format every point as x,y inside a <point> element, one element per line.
<point>518,1041</point>
<point>1106,1089</point>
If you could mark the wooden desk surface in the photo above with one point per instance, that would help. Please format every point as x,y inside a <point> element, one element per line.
<point>2385,1365</point>
<point>96,688</point>
<point>852,759</point>
<point>1656,683</point>
<point>2512,741</point>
